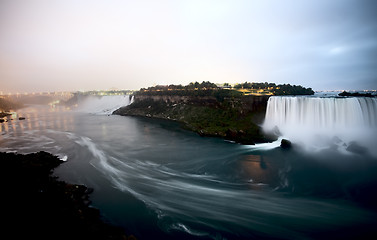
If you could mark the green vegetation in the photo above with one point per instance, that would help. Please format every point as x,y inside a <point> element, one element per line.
<point>193,89</point>
<point>192,86</point>
<point>211,89</point>
<point>253,85</point>
<point>230,118</point>
<point>287,89</point>
<point>223,121</point>
<point>281,89</point>
<point>355,94</point>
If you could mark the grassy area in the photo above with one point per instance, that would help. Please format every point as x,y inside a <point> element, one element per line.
<point>223,122</point>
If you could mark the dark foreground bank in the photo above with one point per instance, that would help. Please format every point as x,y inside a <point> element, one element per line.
<point>38,206</point>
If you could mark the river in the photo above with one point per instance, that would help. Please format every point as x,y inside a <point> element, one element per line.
<point>158,181</point>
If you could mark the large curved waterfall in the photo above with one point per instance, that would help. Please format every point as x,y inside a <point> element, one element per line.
<point>103,104</point>
<point>302,118</point>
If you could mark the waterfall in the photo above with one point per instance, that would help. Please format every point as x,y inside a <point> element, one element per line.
<point>103,104</point>
<point>302,118</point>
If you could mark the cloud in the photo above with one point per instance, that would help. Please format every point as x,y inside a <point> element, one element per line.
<point>66,45</point>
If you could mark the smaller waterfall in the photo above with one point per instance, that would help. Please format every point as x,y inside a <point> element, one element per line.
<point>103,104</point>
<point>304,118</point>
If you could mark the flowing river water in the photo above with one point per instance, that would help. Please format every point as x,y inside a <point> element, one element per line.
<point>158,181</point>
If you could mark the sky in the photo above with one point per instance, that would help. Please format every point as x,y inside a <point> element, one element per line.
<point>69,45</point>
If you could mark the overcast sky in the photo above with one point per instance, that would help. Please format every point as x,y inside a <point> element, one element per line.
<point>60,45</point>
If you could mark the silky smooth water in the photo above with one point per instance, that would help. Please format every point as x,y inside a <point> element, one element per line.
<point>317,121</point>
<point>159,181</point>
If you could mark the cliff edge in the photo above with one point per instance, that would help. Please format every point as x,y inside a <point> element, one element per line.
<point>233,118</point>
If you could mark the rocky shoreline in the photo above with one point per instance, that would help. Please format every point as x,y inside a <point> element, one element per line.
<point>236,119</point>
<point>36,205</point>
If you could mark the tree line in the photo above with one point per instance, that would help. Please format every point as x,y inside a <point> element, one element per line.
<point>207,88</point>
<point>281,89</point>
<point>193,89</point>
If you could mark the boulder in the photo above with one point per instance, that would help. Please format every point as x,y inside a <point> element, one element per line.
<point>231,133</point>
<point>285,144</point>
<point>354,147</point>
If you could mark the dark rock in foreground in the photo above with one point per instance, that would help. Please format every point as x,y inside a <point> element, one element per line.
<point>4,114</point>
<point>285,144</point>
<point>356,148</point>
<point>38,206</point>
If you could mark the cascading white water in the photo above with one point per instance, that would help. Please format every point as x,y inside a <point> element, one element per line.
<point>103,104</point>
<point>302,118</point>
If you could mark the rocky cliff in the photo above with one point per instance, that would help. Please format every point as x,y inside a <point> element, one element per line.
<point>234,118</point>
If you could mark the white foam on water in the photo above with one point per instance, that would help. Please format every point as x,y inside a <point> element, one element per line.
<point>320,122</point>
<point>63,158</point>
<point>265,146</point>
<point>166,190</point>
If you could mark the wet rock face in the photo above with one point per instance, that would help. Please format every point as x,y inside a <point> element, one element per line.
<point>354,147</point>
<point>286,144</point>
<point>235,119</point>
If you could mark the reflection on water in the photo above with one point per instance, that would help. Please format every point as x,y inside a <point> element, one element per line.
<point>261,171</point>
<point>37,118</point>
